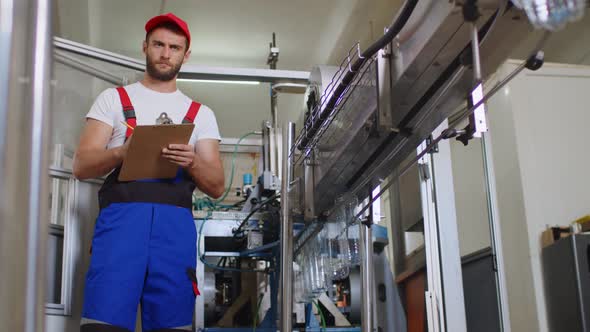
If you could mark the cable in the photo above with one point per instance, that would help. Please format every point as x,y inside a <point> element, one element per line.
<point>233,166</point>
<point>256,313</point>
<point>206,202</point>
<point>271,198</point>
<point>502,5</point>
<point>323,319</point>
<point>236,205</point>
<point>202,256</point>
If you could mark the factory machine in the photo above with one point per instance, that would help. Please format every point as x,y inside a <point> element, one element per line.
<point>302,250</point>
<point>306,254</point>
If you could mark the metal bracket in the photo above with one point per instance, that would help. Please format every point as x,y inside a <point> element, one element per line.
<point>429,141</point>
<point>424,171</point>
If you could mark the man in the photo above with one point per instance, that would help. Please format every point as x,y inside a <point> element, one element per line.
<point>144,244</point>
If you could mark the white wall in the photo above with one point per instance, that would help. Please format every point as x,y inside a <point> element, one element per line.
<point>538,129</point>
<point>470,196</point>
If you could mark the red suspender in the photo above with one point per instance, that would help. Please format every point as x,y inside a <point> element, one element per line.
<point>129,111</point>
<point>192,113</point>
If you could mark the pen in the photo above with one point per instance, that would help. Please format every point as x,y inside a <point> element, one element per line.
<point>127,125</point>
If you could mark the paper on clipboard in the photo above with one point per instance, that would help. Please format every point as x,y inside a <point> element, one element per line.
<point>144,157</point>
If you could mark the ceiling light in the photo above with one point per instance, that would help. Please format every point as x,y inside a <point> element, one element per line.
<point>217,81</point>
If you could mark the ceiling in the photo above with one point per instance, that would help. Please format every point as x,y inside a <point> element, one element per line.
<point>232,32</point>
<point>236,33</point>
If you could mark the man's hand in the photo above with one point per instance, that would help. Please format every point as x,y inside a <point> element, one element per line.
<point>182,155</point>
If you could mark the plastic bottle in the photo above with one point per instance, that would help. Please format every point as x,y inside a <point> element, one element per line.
<point>352,234</point>
<point>318,264</point>
<point>339,251</point>
<point>552,14</point>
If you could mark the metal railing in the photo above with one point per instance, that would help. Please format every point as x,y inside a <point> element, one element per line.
<point>322,116</point>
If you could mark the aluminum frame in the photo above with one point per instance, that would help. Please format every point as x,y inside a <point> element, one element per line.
<point>435,310</point>
<point>70,246</point>
<point>452,278</point>
<point>445,299</point>
<point>187,71</point>
<point>367,279</point>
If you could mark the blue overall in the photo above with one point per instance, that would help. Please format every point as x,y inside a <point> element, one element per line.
<point>140,254</point>
<point>143,252</point>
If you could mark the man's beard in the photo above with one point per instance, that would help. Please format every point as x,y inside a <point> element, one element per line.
<point>160,75</point>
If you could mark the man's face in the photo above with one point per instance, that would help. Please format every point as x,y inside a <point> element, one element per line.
<point>165,53</point>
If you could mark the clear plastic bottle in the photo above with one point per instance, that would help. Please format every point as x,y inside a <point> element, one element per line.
<point>339,251</point>
<point>318,265</point>
<point>352,234</point>
<point>307,294</point>
<point>352,231</point>
<point>299,292</point>
<point>552,14</point>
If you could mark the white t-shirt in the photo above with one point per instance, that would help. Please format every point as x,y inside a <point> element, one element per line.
<point>148,105</point>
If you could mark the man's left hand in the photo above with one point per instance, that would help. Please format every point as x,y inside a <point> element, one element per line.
<point>180,154</point>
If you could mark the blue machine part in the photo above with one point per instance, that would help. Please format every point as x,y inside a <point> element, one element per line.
<point>380,234</point>
<point>247,179</point>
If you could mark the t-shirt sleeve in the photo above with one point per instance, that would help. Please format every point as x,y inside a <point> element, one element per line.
<point>104,107</point>
<point>206,125</point>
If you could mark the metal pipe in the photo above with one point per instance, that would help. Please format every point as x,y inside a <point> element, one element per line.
<point>475,51</point>
<point>274,107</point>
<point>366,235</point>
<point>87,68</point>
<point>286,321</point>
<point>398,241</point>
<point>25,68</point>
<point>266,146</point>
<point>274,130</point>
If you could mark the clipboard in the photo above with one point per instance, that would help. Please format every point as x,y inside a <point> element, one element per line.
<point>144,157</point>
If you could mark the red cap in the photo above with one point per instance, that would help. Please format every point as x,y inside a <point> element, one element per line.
<point>169,17</point>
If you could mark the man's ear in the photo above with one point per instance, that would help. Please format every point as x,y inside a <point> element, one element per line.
<point>186,56</point>
<point>144,47</point>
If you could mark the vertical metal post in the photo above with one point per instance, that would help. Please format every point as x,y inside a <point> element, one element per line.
<point>478,119</point>
<point>25,39</point>
<point>435,309</point>
<point>496,234</point>
<point>397,241</point>
<point>40,64</point>
<point>274,137</point>
<point>266,146</point>
<point>273,58</point>
<point>274,107</point>
<point>286,321</point>
<point>367,275</point>
<point>447,237</point>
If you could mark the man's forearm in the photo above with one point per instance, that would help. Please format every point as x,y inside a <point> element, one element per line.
<point>96,163</point>
<point>208,177</point>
